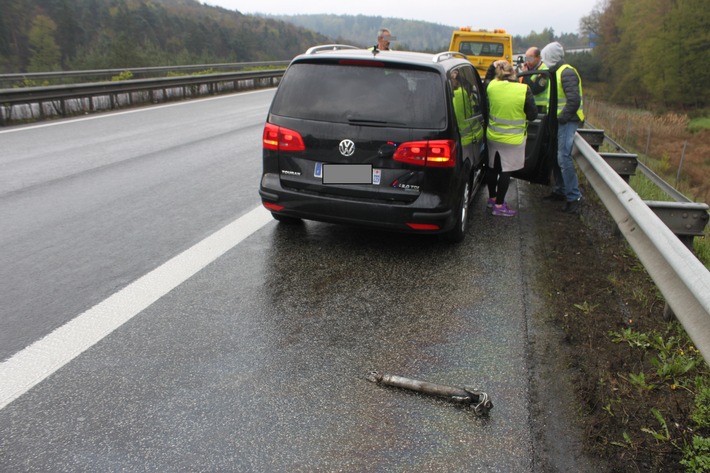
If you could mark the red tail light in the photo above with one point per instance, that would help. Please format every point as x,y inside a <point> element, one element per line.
<point>438,153</point>
<point>271,206</point>
<point>423,226</point>
<point>279,138</point>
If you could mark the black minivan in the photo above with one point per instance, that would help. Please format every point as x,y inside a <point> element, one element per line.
<point>387,139</point>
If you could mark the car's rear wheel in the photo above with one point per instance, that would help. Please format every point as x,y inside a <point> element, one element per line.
<point>286,219</point>
<point>458,233</point>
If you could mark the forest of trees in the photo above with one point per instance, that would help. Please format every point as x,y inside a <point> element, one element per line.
<point>360,30</point>
<point>50,35</point>
<point>411,35</point>
<point>655,52</point>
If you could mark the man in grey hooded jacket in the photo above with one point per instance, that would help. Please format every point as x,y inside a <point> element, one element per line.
<point>570,115</point>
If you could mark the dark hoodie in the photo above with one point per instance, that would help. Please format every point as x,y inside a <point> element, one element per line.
<point>553,55</point>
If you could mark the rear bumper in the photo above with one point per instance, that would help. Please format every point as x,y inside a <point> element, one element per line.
<point>427,209</point>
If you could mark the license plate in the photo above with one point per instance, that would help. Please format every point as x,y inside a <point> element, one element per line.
<point>347,173</point>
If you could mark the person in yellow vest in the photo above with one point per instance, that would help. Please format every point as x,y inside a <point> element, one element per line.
<point>539,83</point>
<point>511,105</point>
<point>570,115</point>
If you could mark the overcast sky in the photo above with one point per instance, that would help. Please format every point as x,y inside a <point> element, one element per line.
<point>518,17</point>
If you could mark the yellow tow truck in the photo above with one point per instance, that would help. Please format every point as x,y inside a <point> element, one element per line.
<point>482,46</point>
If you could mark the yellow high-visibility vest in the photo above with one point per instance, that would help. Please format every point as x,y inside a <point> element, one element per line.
<point>506,121</point>
<point>543,98</point>
<point>562,98</point>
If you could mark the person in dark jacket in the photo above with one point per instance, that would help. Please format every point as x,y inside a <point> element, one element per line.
<point>570,115</point>
<point>511,105</point>
<point>384,38</point>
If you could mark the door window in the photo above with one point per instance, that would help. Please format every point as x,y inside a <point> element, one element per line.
<point>467,104</point>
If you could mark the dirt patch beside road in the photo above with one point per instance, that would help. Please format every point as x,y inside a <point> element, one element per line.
<point>585,283</point>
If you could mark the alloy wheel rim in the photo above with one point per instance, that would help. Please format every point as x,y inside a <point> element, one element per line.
<point>464,207</point>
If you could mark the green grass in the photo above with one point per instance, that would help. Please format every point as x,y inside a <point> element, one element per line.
<point>647,190</point>
<point>699,124</point>
<point>678,366</point>
<point>701,247</point>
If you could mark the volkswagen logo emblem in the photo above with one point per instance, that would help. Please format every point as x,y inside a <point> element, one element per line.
<point>347,147</point>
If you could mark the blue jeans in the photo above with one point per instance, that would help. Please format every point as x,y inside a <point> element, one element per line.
<point>566,182</point>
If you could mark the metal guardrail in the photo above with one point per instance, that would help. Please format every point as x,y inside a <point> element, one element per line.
<point>137,71</point>
<point>62,93</point>
<point>687,219</point>
<point>682,279</point>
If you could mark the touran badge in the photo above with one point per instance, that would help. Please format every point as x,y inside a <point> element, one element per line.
<point>347,147</point>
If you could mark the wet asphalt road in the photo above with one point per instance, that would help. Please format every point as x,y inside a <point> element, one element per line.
<point>87,206</point>
<point>258,362</point>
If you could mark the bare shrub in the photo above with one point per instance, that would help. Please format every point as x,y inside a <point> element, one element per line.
<point>662,138</point>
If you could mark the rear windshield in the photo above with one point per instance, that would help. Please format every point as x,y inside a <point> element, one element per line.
<point>376,96</point>
<point>474,48</point>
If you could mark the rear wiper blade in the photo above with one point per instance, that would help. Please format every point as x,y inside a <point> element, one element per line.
<point>365,121</point>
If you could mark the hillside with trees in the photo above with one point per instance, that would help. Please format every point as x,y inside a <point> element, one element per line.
<point>361,30</point>
<point>49,35</point>
<point>654,52</point>
<point>53,35</point>
<point>411,35</point>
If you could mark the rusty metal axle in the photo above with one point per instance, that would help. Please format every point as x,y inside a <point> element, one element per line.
<point>479,400</point>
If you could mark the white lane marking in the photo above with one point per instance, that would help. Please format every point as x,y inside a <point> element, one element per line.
<point>38,361</point>
<point>108,113</point>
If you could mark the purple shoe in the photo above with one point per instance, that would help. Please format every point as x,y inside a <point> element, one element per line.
<point>503,211</point>
<point>491,202</point>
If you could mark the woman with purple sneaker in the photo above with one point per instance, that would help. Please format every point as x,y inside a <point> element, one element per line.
<point>511,105</point>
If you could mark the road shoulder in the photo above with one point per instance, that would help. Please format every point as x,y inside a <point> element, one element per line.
<point>557,421</point>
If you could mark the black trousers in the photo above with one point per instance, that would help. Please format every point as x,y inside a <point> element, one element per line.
<point>497,181</point>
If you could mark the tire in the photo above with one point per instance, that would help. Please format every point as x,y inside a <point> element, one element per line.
<point>458,233</point>
<point>286,219</point>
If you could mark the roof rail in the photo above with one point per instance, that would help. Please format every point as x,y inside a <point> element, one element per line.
<point>448,55</point>
<point>329,47</point>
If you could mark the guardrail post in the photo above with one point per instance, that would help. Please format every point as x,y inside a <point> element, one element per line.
<point>685,219</point>
<point>623,163</point>
<point>594,137</point>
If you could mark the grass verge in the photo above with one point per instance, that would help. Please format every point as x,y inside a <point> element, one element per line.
<point>649,403</point>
